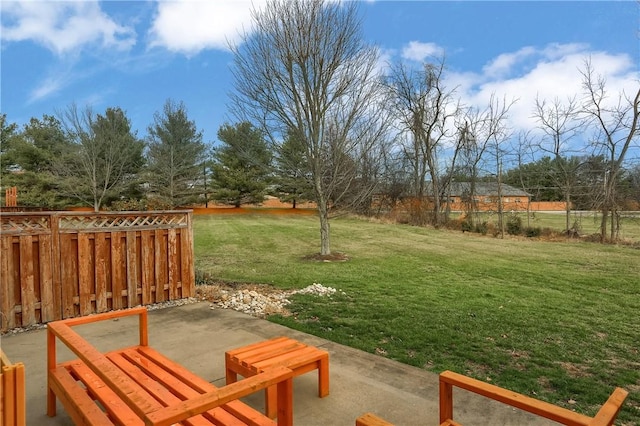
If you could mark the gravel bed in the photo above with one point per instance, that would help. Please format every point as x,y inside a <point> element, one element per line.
<point>254,299</point>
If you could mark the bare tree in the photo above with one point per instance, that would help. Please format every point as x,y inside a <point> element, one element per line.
<point>305,71</point>
<point>560,122</point>
<point>616,125</point>
<point>479,130</point>
<point>423,107</point>
<point>106,154</point>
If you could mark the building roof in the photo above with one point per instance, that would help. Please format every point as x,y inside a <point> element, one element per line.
<point>459,189</point>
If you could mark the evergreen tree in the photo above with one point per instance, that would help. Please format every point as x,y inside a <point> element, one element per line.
<point>29,161</point>
<point>175,157</point>
<point>241,165</point>
<point>293,175</point>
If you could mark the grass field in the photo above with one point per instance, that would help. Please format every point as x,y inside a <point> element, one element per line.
<point>558,321</point>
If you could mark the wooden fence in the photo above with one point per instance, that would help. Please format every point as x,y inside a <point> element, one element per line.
<point>57,265</point>
<point>11,197</point>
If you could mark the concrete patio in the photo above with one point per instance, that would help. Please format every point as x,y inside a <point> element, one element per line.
<point>197,336</point>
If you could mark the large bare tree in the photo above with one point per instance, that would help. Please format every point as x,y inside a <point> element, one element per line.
<point>616,123</point>
<point>560,122</point>
<point>423,108</point>
<point>106,154</point>
<point>480,128</point>
<point>305,72</point>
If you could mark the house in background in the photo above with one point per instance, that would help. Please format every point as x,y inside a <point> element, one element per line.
<point>486,197</point>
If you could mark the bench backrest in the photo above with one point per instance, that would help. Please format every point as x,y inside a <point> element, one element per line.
<point>448,379</point>
<point>114,378</point>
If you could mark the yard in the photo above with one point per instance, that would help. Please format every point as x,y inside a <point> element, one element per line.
<point>555,320</point>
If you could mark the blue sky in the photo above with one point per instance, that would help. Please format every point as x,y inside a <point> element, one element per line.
<point>137,54</point>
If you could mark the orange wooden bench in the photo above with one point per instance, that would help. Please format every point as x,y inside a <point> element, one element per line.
<point>448,379</point>
<point>280,351</point>
<point>139,386</point>
<point>12,392</point>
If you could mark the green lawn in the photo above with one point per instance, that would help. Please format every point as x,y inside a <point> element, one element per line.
<point>558,321</point>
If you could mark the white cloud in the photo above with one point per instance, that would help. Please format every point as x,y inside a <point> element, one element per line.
<point>418,51</point>
<point>550,72</point>
<point>188,26</point>
<point>63,27</point>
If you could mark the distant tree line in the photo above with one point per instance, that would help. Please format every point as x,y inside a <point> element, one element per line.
<point>318,121</point>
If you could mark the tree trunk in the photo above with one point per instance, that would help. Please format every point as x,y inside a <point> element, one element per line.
<point>325,234</point>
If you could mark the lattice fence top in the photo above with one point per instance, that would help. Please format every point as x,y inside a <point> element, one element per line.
<point>25,224</point>
<point>124,222</point>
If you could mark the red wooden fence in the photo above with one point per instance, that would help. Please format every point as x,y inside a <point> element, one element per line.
<point>56,265</point>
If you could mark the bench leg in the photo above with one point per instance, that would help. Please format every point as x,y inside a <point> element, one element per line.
<point>323,377</point>
<point>271,401</point>
<point>51,403</point>
<point>232,376</point>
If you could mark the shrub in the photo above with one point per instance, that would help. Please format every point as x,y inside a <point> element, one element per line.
<point>533,231</point>
<point>482,228</point>
<point>514,225</point>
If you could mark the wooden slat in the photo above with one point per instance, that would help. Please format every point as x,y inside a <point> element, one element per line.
<point>80,407</point>
<point>185,409</point>
<point>188,271</point>
<point>56,275</point>
<point>236,408</point>
<point>102,256</point>
<point>47,310</point>
<point>174,273</point>
<point>8,395</point>
<point>114,406</point>
<point>148,267</point>
<point>609,411</point>
<point>7,283</point>
<point>86,273</point>
<point>27,294</point>
<point>68,274</point>
<point>128,390</point>
<point>522,402</point>
<point>369,419</point>
<point>21,397</point>
<point>117,278</point>
<point>165,391</point>
<point>160,263</point>
<point>132,269</point>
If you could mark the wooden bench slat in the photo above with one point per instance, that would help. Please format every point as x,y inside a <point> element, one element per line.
<point>234,391</point>
<point>163,386</point>
<point>253,346</point>
<point>132,394</point>
<point>115,407</point>
<point>609,411</point>
<point>267,349</point>
<point>370,419</point>
<point>448,379</point>
<point>236,408</point>
<point>80,407</point>
<point>293,359</point>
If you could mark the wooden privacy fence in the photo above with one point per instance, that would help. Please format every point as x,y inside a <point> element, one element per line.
<point>57,265</point>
